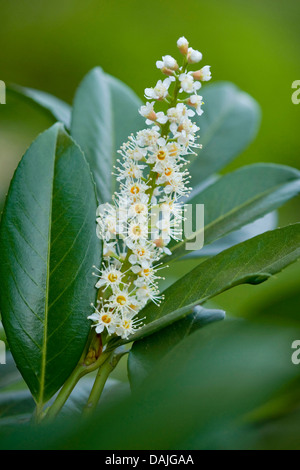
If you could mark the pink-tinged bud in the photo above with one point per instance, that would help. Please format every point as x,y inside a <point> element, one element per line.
<point>203,74</point>
<point>183,45</point>
<point>197,75</point>
<point>167,71</point>
<point>159,243</point>
<point>152,116</point>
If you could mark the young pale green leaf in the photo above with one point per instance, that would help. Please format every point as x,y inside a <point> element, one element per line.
<point>228,125</point>
<point>241,197</point>
<point>251,262</point>
<point>105,113</point>
<point>58,109</point>
<point>48,247</point>
<point>148,352</point>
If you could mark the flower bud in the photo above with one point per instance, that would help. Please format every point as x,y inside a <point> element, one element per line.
<point>183,45</point>
<point>203,74</point>
<point>167,71</point>
<point>193,56</point>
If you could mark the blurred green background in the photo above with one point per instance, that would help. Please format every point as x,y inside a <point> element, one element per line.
<point>52,45</point>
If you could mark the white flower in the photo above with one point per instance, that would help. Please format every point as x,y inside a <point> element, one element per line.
<point>188,84</point>
<point>133,189</point>
<point>106,222</point>
<point>160,91</point>
<point>147,111</point>
<point>103,319</point>
<point>143,253</point>
<point>136,153</point>
<point>110,277</point>
<point>127,326</point>
<point>123,301</point>
<point>177,113</point>
<point>193,56</point>
<point>196,101</point>
<point>137,231</point>
<point>139,210</point>
<point>160,117</point>
<point>147,137</point>
<point>109,249</point>
<point>167,62</point>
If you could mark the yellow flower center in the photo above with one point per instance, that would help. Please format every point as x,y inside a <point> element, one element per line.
<point>112,277</point>
<point>134,189</point>
<point>173,150</point>
<point>106,318</point>
<point>121,299</point>
<point>136,230</point>
<point>161,155</point>
<point>139,208</point>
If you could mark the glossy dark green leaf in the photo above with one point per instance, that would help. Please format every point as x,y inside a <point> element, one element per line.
<point>148,352</point>
<point>59,109</point>
<point>241,197</point>
<point>48,247</point>
<point>228,125</point>
<point>105,113</point>
<point>252,262</point>
<point>265,223</point>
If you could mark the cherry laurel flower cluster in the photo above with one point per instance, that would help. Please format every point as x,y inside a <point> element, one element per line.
<point>146,212</point>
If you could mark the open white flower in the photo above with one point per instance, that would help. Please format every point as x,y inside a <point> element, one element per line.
<point>188,83</point>
<point>109,277</point>
<point>104,319</point>
<point>196,101</point>
<point>160,91</point>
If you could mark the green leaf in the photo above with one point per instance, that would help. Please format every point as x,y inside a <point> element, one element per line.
<point>228,125</point>
<point>201,389</point>
<point>148,352</point>
<point>241,197</point>
<point>261,225</point>
<point>125,105</point>
<point>92,128</point>
<point>105,113</point>
<point>48,245</point>
<point>58,109</point>
<point>251,262</point>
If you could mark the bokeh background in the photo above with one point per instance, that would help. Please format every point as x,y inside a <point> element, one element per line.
<point>52,45</point>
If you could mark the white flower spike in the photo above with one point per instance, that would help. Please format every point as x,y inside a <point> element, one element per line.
<point>146,212</point>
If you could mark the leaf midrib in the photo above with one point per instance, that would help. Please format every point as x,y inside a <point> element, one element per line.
<point>45,324</point>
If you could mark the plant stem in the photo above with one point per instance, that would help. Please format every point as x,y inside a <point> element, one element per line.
<point>80,371</point>
<point>104,370</point>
